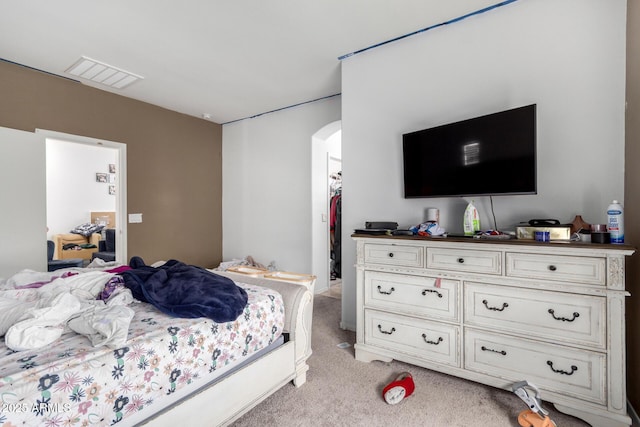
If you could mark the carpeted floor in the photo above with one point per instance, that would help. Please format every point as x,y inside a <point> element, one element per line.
<point>341,391</point>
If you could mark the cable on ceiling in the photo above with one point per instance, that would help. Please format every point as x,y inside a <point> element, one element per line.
<point>282,108</point>
<point>37,69</point>
<point>451,21</point>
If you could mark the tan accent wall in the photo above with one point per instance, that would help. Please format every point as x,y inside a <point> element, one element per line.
<point>174,161</point>
<point>632,201</point>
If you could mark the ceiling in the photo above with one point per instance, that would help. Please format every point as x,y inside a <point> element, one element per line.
<point>227,59</point>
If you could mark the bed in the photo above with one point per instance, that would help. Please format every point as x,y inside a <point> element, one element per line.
<point>169,370</point>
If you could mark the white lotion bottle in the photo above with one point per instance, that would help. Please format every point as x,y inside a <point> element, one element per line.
<point>615,222</point>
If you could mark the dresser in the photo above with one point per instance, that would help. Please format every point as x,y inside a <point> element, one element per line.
<point>501,311</point>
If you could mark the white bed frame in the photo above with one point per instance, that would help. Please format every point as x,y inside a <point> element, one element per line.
<point>228,399</point>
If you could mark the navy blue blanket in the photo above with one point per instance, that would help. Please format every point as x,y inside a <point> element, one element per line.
<point>182,290</point>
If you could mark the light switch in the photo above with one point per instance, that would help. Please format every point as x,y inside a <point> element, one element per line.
<point>324,217</point>
<point>135,217</point>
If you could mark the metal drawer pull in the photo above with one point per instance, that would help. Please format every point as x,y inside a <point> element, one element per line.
<point>390,254</point>
<point>486,304</point>
<point>461,260</point>
<point>553,268</point>
<point>385,292</point>
<point>502,352</point>
<point>424,337</point>
<point>424,292</point>
<point>560,371</point>
<point>564,319</point>
<point>386,332</point>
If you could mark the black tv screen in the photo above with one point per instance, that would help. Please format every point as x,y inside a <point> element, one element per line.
<point>488,155</point>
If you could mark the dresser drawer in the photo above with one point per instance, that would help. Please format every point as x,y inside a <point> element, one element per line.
<point>418,338</point>
<point>414,295</point>
<point>583,270</point>
<point>395,255</point>
<point>560,317</point>
<point>572,372</point>
<point>463,260</point>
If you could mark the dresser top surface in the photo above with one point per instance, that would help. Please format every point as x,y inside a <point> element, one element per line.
<point>516,242</point>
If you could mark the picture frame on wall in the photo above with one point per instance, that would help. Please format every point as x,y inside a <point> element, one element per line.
<point>112,190</point>
<point>101,177</point>
<point>112,168</point>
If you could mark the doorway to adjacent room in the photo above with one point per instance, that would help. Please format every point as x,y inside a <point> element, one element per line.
<point>85,177</point>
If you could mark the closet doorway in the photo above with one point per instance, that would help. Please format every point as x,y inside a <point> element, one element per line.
<point>335,222</point>
<point>326,153</point>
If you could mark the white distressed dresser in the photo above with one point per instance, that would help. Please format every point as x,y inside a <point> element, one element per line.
<point>498,312</point>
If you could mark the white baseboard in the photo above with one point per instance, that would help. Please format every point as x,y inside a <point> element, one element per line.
<point>347,327</point>
<point>319,290</point>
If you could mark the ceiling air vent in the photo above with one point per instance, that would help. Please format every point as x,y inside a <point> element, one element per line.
<point>102,73</point>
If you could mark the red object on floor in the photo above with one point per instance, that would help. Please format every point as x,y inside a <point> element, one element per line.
<point>528,418</point>
<point>402,387</point>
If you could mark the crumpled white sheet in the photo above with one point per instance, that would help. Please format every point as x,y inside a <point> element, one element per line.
<point>100,263</point>
<point>26,277</point>
<point>10,311</point>
<point>107,325</point>
<point>248,260</point>
<point>43,323</point>
<point>65,301</point>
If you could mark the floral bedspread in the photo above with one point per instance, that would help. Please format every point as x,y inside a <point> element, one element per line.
<point>72,383</point>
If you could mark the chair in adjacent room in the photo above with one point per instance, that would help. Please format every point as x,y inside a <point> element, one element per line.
<point>107,246</point>
<point>57,264</point>
<point>74,245</point>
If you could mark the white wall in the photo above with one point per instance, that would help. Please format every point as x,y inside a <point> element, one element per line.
<point>72,190</point>
<point>567,56</point>
<point>266,185</point>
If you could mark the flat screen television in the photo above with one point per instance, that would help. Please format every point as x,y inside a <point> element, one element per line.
<point>488,155</point>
